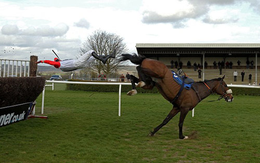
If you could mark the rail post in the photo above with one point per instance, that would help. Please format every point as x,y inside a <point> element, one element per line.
<point>33,65</point>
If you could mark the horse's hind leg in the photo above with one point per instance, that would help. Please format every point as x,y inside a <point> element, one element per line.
<point>172,113</point>
<point>181,121</point>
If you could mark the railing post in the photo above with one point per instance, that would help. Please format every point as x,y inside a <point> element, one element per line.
<point>0,68</point>
<point>33,66</point>
<point>43,94</point>
<point>24,72</point>
<point>119,101</point>
<point>4,68</point>
<point>16,71</point>
<point>12,69</point>
<point>21,66</point>
<point>8,68</point>
<point>256,82</point>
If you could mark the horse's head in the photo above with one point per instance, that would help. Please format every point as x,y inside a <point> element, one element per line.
<point>222,89</point>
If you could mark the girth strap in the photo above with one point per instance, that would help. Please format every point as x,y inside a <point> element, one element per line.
<point>179,93</point>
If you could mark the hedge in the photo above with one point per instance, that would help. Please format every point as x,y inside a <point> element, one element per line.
<point>20,90</point>
<point>126,88</point>
<point>246,91</point>
<point>105,88</point>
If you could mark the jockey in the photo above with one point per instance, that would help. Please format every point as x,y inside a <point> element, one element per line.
<point>83,61</point>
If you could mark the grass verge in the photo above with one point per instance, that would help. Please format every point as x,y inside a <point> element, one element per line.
<point>84,127</point>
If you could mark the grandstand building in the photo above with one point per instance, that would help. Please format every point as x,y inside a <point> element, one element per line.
<point>232,56</point>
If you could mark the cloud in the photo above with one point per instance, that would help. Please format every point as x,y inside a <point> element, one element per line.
<point>214,2</point>
<point>44,31</point>
<point>178,12</point>
<point>82,23</point>
<point>37,40</point>
<point>175,12</point>
<point>219,20</point>
<point>255,4</point>
<point>38,45</point>
<point>9,29</point>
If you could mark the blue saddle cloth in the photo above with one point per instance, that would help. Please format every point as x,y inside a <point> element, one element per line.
<point>187,81</point>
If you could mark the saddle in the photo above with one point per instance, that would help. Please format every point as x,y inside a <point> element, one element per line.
<point>183,80</point>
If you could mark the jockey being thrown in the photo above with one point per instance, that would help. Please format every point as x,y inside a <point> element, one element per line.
<point>74,64</point>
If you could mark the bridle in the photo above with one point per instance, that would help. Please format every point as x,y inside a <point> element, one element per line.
<point>225,93</point>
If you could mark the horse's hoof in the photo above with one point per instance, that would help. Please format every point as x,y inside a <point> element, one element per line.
<point>184,137</point>
<point>132,92</point>
<point>141,84</point>
<point>151,134</point>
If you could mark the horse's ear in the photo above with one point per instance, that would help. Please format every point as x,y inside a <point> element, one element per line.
<point>223,77</point>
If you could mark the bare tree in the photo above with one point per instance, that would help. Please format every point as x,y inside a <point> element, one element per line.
<point>104,44</point>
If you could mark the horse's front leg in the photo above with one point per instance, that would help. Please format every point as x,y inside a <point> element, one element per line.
<point>134,80</point>
<point>172,113</point>
<point>184,112</point>
<point>146,81</point>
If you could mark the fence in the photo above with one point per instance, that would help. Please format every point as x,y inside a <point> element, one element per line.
<point>91,83</point>
<point>119,91</point>
<point>14,68</point>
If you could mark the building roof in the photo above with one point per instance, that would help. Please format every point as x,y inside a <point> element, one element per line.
<point>198,45</point>
<point>197,49</point>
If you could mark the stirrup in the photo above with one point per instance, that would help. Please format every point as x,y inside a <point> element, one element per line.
<point>132,92</point>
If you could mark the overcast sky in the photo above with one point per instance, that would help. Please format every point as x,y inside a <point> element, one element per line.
<point>35,27</point>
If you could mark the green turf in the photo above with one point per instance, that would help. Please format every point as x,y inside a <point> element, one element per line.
<point>85,127</point>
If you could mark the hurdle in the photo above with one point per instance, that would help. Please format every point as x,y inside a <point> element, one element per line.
<point>18,94</point>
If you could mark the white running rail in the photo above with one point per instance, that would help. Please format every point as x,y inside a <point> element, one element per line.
<point>119,91</point>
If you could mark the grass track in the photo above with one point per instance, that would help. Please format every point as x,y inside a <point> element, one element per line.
<point>84,127</point>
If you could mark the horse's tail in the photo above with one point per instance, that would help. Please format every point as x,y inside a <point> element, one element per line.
<point>133,58</point>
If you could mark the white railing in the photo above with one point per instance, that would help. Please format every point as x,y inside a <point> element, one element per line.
<point>243,86</point>
<point>119,91</point>
<point>14,68</point>
<point>89,83</point>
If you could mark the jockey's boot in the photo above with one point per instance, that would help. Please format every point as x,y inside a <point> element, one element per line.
<point>103,58</point>
<point>113,55</point>
<point>132,92</point>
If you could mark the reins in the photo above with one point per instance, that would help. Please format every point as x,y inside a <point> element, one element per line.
<point>221,96</point>
<point>206,85</point>
<point>210,91</point>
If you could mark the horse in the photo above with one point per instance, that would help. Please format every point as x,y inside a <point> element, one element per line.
<point>153,73</point>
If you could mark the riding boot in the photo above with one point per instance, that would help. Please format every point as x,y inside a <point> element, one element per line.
<point>94,54</point>
<point>102,58</point>
<point>113,55</point>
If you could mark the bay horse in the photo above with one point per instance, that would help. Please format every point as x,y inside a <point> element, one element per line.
<point>155,73</point>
